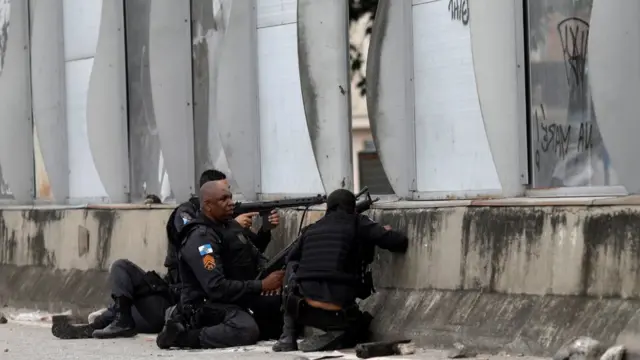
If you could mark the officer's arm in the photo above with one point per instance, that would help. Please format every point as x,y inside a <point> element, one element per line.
<point>391,240</point>
<point>202,253</point>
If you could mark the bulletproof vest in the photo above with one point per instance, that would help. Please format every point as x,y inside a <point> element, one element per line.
<point>238,251</point>
<point>330,250</point>
<point>191,207</point>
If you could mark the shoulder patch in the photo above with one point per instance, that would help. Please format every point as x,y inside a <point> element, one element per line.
<point>209,262</point>
<point>185,217</point>
<point>205,249</point>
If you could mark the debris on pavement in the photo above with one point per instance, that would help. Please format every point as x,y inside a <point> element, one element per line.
<point>383,348</point>
<point>582,348</point>
<point>617,352</point>
<point>460,351</point>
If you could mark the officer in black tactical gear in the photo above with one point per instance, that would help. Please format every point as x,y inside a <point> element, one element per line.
<point>141,298</point>
<point>327,271</point>
<point>221,305</point>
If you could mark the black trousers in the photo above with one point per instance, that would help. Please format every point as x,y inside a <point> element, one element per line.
<point>127,279</point>
<point>298,312</point>
<point>268,315</point>
<point>232,325</point>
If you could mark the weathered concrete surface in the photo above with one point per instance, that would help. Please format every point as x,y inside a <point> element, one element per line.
<point>520,278</point>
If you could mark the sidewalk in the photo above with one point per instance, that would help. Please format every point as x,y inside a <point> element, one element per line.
<point>25,341</point>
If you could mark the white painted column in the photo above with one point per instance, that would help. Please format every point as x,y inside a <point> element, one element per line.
<point>323,55</point>
<point>49,97</point>
<point>16,134</point>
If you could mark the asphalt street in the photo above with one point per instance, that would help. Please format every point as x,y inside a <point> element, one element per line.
<point>19,341</point>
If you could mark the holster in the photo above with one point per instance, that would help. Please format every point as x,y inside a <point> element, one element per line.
<point>153,285</point>
<point>208,314</point>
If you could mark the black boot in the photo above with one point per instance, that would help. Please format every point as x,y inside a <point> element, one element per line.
<point>174,334</point>
<point>289,337</point>
<point>63,330</point>
<point>123,324</point>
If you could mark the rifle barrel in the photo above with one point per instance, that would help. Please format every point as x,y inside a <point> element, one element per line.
<point>363,191</point>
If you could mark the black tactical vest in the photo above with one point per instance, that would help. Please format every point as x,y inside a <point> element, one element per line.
<point>330,250</point>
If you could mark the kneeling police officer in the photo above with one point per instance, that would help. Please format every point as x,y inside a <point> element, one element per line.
<point>327,271</point>
<point>221,303</point>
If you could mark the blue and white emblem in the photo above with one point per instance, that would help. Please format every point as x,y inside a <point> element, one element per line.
<point>205,249</point>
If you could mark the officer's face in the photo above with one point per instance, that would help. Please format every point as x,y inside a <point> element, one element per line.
<point>220,206</point>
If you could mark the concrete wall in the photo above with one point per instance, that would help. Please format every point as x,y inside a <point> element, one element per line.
<point>521,277</point>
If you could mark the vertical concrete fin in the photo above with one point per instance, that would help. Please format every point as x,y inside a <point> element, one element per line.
<point>501,103</point>
<point>323,55</point>
<point>390,97</point>
<point>614,72</point>
<point>107,104</point>
<point>171,85</point>
<point>16,137</point>
<point>236,97</point>
<point>48,92</point>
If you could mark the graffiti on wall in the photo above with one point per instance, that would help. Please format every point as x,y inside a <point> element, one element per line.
<point>574,34</point>
<point>555,138</point>
<point>567,145</point>
<point>459,10</point>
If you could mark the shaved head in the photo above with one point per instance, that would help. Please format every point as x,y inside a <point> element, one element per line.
<point>216,200</point>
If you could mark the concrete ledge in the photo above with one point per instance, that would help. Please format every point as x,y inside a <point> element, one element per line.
<point>504,277</point>
<point>493,322</point>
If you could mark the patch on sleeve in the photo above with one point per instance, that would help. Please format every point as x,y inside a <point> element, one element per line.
<point>209,262</point>
<point>205,249</point>
<point>185,217</point>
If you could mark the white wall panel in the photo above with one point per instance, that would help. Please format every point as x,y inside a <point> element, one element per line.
<point>614,69</point>
<point>84,181</point>
<point>276,12</point>
<point>452,150</point>
<point>81,27</point>
<point>288,164</point>
<point>498,59</point>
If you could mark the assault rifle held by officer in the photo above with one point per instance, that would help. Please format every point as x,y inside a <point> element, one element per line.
<point>278,262</point>
<point>264,208</point>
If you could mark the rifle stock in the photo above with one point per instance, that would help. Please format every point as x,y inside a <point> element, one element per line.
<point>278,262</point>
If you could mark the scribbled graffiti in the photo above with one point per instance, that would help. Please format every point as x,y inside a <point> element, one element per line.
<point>559,139</point>
<point>574,36</point>
<point>459,10</point>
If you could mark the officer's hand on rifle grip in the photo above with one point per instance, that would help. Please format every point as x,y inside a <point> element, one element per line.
<point>273,281</point>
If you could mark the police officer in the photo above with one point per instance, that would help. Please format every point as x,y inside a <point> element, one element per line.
<point>325,276</point>
<point>141,298</point>
<point>221,304</point>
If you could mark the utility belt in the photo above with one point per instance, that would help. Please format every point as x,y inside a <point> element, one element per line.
<point>204,314</point>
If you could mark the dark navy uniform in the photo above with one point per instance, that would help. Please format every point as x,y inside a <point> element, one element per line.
<point>327,265</point>
<point>220,296</point>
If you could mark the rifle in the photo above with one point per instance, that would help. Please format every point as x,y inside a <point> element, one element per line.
<point>278,262</point>
<point>265,207</point>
